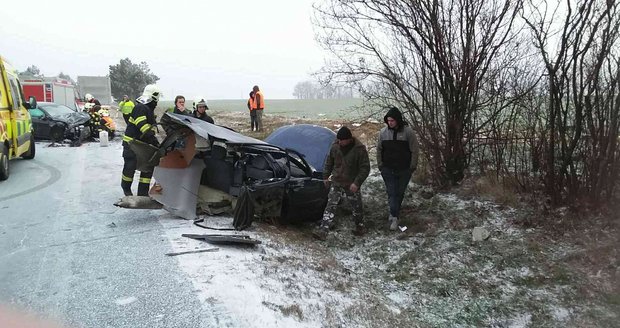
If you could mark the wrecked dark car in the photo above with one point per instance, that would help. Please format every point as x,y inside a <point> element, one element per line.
<point>58,122</point>
<point>203,165</point>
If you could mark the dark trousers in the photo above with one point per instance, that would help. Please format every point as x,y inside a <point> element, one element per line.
<point>396,182</point>
<point>129,170</point>
<point>253,121</point>
<point>259,119</point>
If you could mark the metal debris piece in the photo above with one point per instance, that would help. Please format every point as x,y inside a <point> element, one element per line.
<point>402,228</point>
<point>214,249</point>
<point>179,188</point>
<point>224,239</point>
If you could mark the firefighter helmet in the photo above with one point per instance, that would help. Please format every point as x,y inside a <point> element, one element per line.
<point>89,97</point>
<point>151,93</point>
<point>200,101</point>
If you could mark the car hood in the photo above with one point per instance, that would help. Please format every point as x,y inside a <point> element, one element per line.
<point>73,118</point>
<point>312,141</point>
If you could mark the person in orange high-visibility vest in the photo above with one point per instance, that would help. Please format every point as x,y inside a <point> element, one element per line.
<point>259,106</point>
<point>251,106</point>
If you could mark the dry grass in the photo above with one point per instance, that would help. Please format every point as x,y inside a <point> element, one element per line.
<point>490,187</point>
<point>293,310</point>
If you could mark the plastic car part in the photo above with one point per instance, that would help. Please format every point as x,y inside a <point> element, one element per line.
<point>244,211</point>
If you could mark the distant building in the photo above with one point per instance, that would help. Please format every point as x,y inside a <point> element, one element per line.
<point>98,86</point>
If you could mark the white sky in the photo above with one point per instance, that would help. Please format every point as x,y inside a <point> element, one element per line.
<point>214,48</point>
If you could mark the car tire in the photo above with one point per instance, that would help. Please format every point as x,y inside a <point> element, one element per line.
<point>32,150</point>
<point>57,132</point>
<point>4,163</point>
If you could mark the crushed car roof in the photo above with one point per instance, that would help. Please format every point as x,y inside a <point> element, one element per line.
<point>312,141</point>
<point>205,129</point>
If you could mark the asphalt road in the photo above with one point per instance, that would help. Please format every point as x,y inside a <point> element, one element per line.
<point>67,253</point>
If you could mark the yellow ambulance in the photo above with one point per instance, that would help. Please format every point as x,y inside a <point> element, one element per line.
<point>16,132</point>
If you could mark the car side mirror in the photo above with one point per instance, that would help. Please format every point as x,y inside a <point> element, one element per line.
<point>32,102</point>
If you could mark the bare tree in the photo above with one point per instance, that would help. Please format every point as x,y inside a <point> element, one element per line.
<point>314,90</point>
<point>577,42</point>
<point>439,59</point>
<point>304,90</point>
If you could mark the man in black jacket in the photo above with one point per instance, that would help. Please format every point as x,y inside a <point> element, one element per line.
<point>141,125</point>
<point>397,158</point>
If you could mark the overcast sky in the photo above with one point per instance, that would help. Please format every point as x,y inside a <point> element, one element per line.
<point>214,48</point>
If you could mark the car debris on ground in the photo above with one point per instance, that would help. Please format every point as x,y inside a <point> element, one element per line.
<point>215,169</point>
<point>224,239</point>
<point>214,249</point>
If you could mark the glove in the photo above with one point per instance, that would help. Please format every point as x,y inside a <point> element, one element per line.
<point>150,139</point>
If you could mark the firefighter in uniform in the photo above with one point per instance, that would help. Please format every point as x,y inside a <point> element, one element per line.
<point>93,106</point>
<point>90,99</point>
<point>140,126</point>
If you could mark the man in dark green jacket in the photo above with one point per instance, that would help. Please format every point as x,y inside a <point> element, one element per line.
<point>346,168</point>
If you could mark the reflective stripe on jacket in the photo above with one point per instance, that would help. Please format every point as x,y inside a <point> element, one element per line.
<point>140,124</point>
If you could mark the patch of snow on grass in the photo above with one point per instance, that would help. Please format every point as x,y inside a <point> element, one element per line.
<point>560,314</point>
<point>521,321</point>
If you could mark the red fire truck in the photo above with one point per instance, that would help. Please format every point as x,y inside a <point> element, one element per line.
<point>52,89</point>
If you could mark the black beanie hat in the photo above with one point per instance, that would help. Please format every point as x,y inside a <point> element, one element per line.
<point>344,133</point>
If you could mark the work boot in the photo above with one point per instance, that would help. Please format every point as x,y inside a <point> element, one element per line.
<point>320,233</point>
<point>360,230</point>
<point>393,223</point>
<point>127,192</point>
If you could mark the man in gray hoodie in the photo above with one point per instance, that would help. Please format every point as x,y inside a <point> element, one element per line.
<point>397,158</point>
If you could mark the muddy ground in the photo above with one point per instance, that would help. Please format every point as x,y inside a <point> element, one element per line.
<point>540,267</point>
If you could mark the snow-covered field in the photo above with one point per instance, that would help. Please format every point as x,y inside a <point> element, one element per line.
<point>432,275</point>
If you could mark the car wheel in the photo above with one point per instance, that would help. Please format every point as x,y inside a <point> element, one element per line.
<point>32,150</point>
<point>4,163</point>
<point>57,132</point>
